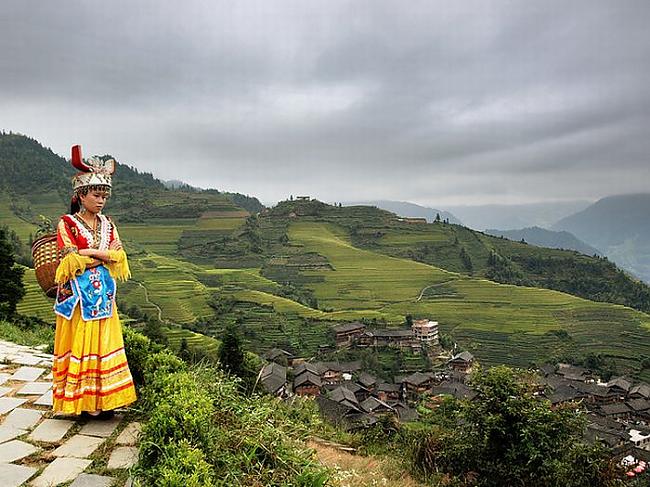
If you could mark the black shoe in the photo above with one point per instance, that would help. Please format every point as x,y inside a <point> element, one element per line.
<point>105,415</point>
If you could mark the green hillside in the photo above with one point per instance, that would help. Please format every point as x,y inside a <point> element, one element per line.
<point>286,275</point>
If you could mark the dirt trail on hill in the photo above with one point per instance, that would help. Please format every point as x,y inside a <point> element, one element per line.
<point>358,471</point>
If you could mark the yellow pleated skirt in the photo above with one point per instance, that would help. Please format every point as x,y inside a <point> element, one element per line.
<point>90,370</point>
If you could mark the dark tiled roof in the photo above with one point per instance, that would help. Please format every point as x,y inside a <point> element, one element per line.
<point>273,377</point>
<point>348,327</point>
<point>307,378</point>
<point>367,380</point>
<point>373,404</point>
<point>455,389</point>
<point>563,394</point>
<point>621,383</point>
<point>418,378</point>
<point>641,390</point>
<point>547,369</point>
<point>275,353</point>
<point>639,404</point>
<point>591,389</point>
<point>388,333</point>
<point>462,357</point>
<point>305,367</point>
<point>343,395</point>
<point>616,408</point>
<point>386,387</point>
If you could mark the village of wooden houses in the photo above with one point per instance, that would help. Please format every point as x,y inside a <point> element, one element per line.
<point>618,410</point>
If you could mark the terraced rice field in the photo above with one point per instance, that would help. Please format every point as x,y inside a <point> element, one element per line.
<point>8,218</point>
<point>195,341</point>
<point>35,303</point>
<point>499,323</point>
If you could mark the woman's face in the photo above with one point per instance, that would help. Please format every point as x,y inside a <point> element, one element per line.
<point>94,201</point>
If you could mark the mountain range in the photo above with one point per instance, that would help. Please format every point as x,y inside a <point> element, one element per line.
<point>409,210</point>
<point>619,226</point>
<point>546,238</point>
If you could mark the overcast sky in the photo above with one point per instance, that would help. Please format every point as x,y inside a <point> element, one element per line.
<point>438,103</point>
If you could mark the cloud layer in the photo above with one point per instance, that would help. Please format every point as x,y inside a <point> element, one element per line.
<point>433,102</point>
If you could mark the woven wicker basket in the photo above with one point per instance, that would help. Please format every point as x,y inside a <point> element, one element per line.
<point>45,255</point>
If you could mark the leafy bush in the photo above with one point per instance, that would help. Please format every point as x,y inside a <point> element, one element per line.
<point>202,431</point>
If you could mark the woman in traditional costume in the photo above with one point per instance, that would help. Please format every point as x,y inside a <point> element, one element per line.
<point>90,372</point>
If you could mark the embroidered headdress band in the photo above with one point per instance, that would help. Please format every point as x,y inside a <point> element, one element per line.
<point>94,172</point>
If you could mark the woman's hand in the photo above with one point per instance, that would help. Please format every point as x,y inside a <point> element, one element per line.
<point>115,245</point>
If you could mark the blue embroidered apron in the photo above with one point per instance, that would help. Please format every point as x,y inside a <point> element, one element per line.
<point>95,289</point>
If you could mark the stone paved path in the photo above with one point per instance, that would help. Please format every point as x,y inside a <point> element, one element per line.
<point>39,448</point>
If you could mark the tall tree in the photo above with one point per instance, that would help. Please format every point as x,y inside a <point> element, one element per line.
<point>231,353</point>
<point>12,289</point>
<point>507,436</point>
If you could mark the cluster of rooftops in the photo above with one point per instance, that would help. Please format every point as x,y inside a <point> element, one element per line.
<point>618,411</point>
<point>348,395</point>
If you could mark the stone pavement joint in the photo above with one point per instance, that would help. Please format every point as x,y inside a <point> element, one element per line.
<point>51,430</point>
<point>78,446</point>
<point>35,388</point>
<point>129,435</point>
<point>91,480</point>
<point>45,399</point>
<point>15,475</point>
<point>61,470</point>
<point>9,403</point>
<point>15,450</point>
<point>28,374</point>
<point>103,428</point>
<point>123,457</point>
<point>22,418</point>
<point>9,433</point>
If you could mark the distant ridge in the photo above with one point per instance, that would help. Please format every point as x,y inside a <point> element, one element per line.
<point>410,210</point>
<point>546,238</point>
<point>512,217</point>
<point>619,226</point>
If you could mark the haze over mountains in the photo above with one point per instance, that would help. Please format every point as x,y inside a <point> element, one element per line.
<point>617,227</point>
<point>511,217</point>
<point>407,209</point>
<point>620,227</point>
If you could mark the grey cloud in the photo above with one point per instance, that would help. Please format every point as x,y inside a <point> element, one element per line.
<point>430,101</point>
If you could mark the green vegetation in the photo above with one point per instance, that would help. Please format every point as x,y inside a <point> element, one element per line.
<point>201,430</point>
<point>24,330</point>
<point>507,436</point>
<point>284,276</point>
<point>11,283</point>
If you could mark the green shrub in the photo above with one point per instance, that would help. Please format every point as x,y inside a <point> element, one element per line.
<point>203,431</point>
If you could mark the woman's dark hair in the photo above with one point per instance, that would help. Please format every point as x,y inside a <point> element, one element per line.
<point>75,202</point>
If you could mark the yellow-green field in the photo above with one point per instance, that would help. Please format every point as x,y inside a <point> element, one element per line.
<point>35,303</point>
<point>497,322</point>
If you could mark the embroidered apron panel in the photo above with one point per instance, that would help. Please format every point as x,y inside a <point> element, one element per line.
<point>67,298</point>
<point>97,290</point>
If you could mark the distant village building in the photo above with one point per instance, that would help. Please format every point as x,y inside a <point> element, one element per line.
<point>399,338</point>
<point>347,333</point>
<point>345,397</point>
<point>376,406</point>
<point>425,331</point>
<point>303,198</point>
<point>461,362</point>
<point>279,356</point>
<point>307,381</point>
<point>418,383</point>
<point>307,384</point>
<point>273,378</point>
<point>412,220</point>
<point>389,392</point>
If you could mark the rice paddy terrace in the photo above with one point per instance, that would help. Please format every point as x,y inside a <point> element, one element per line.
<point>356,265</point>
